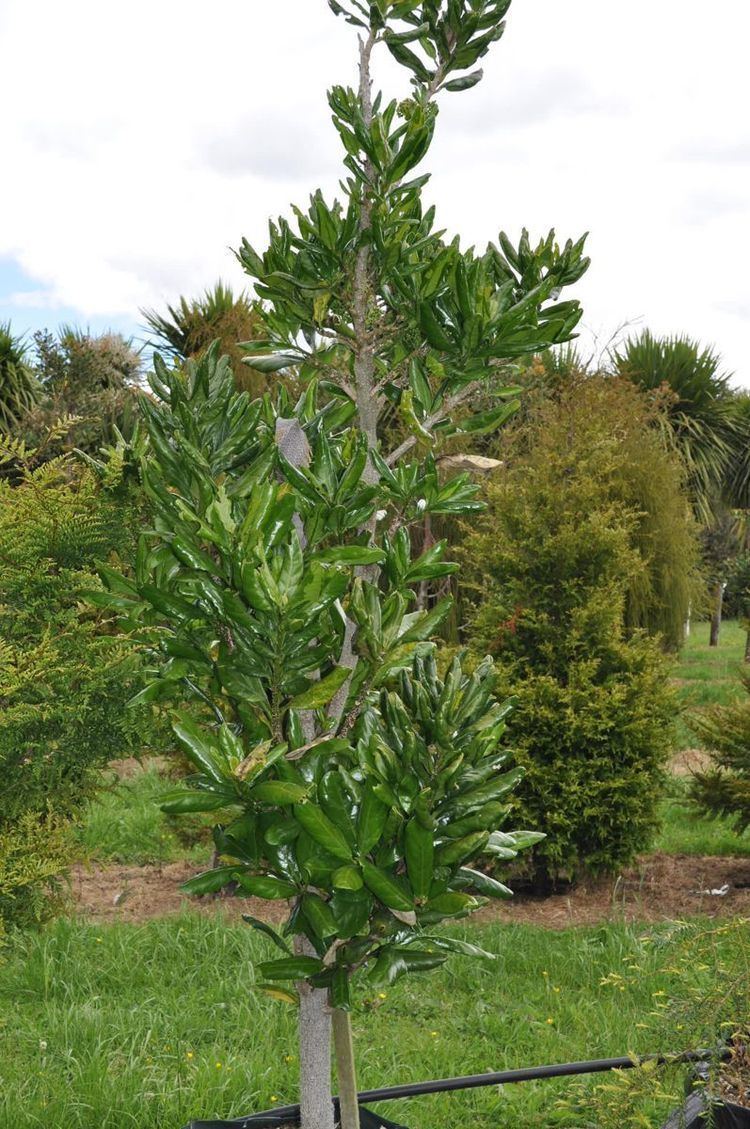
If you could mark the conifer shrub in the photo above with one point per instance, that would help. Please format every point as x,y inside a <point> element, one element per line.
<point>550,568</point>
<point>724,787</point>
<point>64,677</point>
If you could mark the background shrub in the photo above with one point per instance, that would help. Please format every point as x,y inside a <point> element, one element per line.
<point>551,571</point>
<point>64,679</point>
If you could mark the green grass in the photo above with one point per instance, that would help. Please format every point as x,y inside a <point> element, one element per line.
<point>707,676</point>
<point>125,825</point>
<point>126,1026</point>
<point>685,832</point>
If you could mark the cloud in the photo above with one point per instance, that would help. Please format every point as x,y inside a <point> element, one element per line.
<point>146,139</point>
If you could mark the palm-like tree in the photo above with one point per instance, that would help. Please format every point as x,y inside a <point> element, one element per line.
<point>702,414</point>
<point>188,328</point>
<point>19,388</point>
<point>709,424</point>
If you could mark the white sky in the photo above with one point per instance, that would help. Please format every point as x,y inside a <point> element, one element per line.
<point>143,139</point>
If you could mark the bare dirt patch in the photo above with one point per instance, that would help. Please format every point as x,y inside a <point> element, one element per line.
<point>658,888</point>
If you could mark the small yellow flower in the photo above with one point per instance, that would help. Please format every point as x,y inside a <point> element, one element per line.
<point>288,1058</point>
<point>550,1019</point>
<point>555,989</point>
<point>545,973</point>
<point>218,1066</point>
<point>98,940</point>
<point>434,1034</point>
<point>189,1054</point>
<point>274,1098</point>
<point>381,995</point>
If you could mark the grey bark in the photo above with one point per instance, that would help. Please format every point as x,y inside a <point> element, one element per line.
<point>716,614</point>
<point>316,1100</point>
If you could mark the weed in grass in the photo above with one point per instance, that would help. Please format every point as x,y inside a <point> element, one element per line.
<point>120,1026</point>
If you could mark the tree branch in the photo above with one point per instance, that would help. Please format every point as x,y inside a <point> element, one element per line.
<point>431,420</point>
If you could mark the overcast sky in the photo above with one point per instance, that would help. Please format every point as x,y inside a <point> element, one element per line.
<point>141,140</point>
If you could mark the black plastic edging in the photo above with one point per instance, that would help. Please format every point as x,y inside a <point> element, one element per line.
<point>497,1078</point>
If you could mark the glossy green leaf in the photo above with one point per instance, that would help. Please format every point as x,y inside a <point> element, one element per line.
<point>193,742</point>
<point>321,693</point>
<point>265,886</point>
<point>322,831</point>
<point>279,792</point>
<point>390,891</point>
<point>290,968</point>
<point>484,884</point>
<point>371,821</point>
<point>210,881</point>
<point>268,931</point>
<point>420,856</point>
<point>182,801</point>
<point>347,878</point>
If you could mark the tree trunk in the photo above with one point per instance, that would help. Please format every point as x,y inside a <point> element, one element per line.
<point>315,1097</point>
<point>345,1069</point>
<point>716,614</point>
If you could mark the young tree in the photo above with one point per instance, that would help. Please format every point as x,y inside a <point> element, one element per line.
<point>276,582</point>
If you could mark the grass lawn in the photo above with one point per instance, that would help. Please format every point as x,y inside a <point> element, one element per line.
<point>685,832</point>
<point>148,1026</point>
<point>124,824</point>
<point>707,676</point>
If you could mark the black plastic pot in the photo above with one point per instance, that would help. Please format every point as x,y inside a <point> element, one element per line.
<point>702,1111</point>
<point>367,1119</point>
<point>699,1112</point>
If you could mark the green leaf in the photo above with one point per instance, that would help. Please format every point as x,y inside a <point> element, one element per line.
<point>420,856</point>
<point>454,945</point>
<point>319,915</point>
<point>322,692</point>
<point>388,967</point>
<point>346,878</point>
<point>421,625</point>
<point>210,881</point>
<point>460,849</point>
<point>485,885</point>
<point>279,792</point>
<point>387,889</point>
<point>264,927</point>
<point>204,755</point>
<point>352,555</point>
<point>464,83</point>
<point>290,968</point>
<point>322,831</point>
<point>266,886</point>
<point>451,903</point>
<point>284,995</point>
<point>522,840</point>
<point>371,821</point>
<point>182,801</point>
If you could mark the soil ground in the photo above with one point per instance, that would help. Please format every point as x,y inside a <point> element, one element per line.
<point>659,887</point>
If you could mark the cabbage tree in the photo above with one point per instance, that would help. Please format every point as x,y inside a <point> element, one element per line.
<point>276,584</point>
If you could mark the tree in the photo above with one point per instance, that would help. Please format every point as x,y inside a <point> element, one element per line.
<point>88,381</point>
<point>710,427</point>
<point>19,389</point>
<point>187,330</point>
<point>702,417</point>
<point>559,568</point>
<point>276,585</point>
